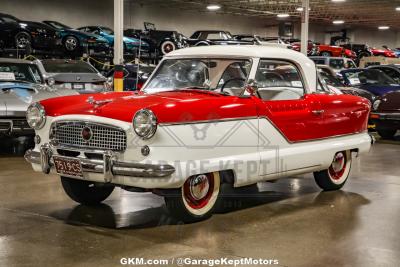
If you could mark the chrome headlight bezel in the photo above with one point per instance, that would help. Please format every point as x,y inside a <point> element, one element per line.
<point>38,111</point>
<point>376,104</point>
<point>144,123</point>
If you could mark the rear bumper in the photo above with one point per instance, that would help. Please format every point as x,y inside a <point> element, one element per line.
<point>109,167</point>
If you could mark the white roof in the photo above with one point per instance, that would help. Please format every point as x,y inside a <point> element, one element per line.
<point>253,51</point>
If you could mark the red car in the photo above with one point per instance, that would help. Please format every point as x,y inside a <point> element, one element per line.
<point>383,52</point>
<point>208,117</point>
<point>312,49</point>
<point>335,51</point>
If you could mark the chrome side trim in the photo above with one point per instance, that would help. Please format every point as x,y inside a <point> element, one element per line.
<point>208,121</point>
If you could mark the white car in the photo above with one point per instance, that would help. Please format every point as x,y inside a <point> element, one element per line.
<point>206,116</point>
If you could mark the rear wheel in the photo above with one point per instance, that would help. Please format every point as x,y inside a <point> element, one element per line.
<point>86,192</point>
<point>336,175</point>
<point>22,40</point>
<point>387,133</point>
<point>196,199</point>
<point>71,43</point>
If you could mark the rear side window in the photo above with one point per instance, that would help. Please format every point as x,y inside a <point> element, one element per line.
<point>279,80</point>
<point>68,67</point>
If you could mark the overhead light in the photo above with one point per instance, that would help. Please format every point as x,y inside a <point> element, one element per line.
<point>383,27</point>
<point>300,9</point>
<point>213,7</point>
<point>283,15</point>
<point>338,1</point>
<point>398,8</point>
<point>338,21</point>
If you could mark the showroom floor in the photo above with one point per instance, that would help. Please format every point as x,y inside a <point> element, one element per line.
<point>290,220</point>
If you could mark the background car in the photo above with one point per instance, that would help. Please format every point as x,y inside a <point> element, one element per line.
<point>312,49</point>
<point>212,37</point>
<point>361,50</point>
<point>372,80</point>
<point>386,114</point>
<point>21,83</point>
<point>335,51</point>
<point>15,33</point>
<point>73,74</point>
<point>134,75</point>
<point>336,63</point>
<point>131,45</point>
<point>274,42</point>
<point>383,52</point>
<point>328,76</point>
<point>73,40</point>
<point>393,71</point>
<point>160,42</point>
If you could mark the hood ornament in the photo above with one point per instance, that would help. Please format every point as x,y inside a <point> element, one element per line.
<point>97,103</point>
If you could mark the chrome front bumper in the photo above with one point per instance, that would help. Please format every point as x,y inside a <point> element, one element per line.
<point>109,166</point>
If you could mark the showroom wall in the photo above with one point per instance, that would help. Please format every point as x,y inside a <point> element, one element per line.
<point>83,12</point>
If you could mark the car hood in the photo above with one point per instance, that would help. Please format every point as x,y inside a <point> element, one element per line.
<point>16,97</point>
<point>390,102</point>
<point>85,34</point>
<point>77,77</point>
<point>169,107</point>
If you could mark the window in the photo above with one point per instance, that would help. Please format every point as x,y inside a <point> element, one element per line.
<point>68,67</point>
<point>279,80</point>
<point>21,72</point>
<point>391,73</point>
<point>203,74</point>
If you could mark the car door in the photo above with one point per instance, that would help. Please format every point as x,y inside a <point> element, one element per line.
<point>288,115</point>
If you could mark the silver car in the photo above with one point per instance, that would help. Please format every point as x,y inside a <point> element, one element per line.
<point>73,74</point>
<point>21,83</point>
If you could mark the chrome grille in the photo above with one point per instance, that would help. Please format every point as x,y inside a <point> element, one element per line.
<point>104,137</point>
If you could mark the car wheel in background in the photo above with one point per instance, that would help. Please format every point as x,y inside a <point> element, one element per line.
<point>22,40</point>
<point>326,54</point>
<point>86,192</point>
<point>71,43</point>
<point>386,133</point>
<point>336,175</point>
<point>167,47</point>
<point>196,199</point>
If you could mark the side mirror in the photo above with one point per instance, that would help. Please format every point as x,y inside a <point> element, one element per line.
<point>51,82</point>
<point>251,87</point>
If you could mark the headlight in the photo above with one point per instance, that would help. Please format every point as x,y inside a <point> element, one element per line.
<point>376,104</point>
<point>36,116</point>
<point>145,123</point>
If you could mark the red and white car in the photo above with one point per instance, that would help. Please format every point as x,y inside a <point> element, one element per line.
<point>207,116</point>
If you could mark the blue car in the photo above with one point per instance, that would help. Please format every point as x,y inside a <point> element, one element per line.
<point>73,40</point>
<point>372,80</point>
<point>131,45</point>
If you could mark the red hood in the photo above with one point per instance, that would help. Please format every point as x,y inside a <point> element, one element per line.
<point>169,107</point>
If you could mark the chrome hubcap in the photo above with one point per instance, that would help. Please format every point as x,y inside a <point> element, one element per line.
<point>22,42</point>
<point>199,187</point>
<point>338,162</point>
<point>70,43</point>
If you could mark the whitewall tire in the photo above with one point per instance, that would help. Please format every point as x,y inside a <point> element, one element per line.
<point>167,47</point>
<point>336,175</point>
<point>197,198</point>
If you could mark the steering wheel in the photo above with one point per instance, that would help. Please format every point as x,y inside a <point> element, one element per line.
<point>230,80</point>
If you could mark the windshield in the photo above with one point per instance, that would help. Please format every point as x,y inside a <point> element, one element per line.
<point>20,72</point>
<point>329,79</point>
<point>68,67</point>
<point>369,76</point>
<point>58,25</point>
<point>107,31</point>
<point>336,63</point>
<point>206,74</point>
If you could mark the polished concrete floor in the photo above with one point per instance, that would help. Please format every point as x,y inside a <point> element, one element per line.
<point>291,220</point>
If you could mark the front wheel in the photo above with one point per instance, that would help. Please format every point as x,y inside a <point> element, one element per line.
<point>86,192</point>
<point>167,47</point>
<point>336,175</point>
<point>196,199</point>
<point>71,43</point>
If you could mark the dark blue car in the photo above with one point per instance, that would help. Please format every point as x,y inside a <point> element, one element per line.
<point>372,80</point>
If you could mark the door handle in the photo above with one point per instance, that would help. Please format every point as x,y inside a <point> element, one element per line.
<point>318,112</point>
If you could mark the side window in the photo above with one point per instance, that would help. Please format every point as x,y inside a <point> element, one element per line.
<point>392,74</point>
<point>235,76</point>
<point>279,80</point>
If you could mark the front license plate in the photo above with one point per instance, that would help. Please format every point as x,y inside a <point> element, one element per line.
<point>66,166</point>
<point>78,86</point>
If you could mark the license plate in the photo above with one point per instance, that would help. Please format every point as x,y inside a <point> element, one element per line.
<point>67,166</point>
<point>78,86</point>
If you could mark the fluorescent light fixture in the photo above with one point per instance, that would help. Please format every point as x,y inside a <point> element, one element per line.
<point>300,9</point>
<point>383,27</point>
<point>338,1</point>
<point>398,8</point>
<point>338,21</point>
<point>213,7</point>
<point>283,15</point>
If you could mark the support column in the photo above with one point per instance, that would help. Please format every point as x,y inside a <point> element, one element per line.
<point>118,44</point>
<point>304,26</point>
